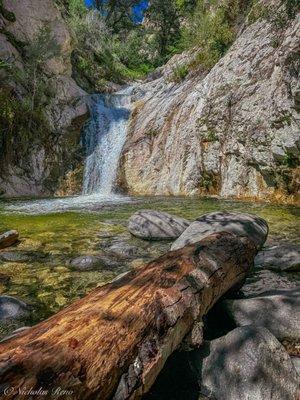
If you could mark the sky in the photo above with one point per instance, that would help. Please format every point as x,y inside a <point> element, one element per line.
<point>137,10</point>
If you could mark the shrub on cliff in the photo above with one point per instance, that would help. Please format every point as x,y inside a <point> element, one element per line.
<point>24,97</point>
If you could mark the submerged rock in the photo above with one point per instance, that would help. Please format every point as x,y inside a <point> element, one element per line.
<point>277,310</point>
<point>285,257</point>
<point>8,238</point>
<point>90,263</point>
<point>12,308</point>
<point>247,363</point>
<point>14,256</point>
<point>156,225</point>
<point>4,279</point>
<point>123,250</point>
<point>252,226</point>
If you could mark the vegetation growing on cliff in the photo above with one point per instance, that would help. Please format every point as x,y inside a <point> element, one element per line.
<point>23,103</point>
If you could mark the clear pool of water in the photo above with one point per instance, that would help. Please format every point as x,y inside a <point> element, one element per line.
<point>54,231</point>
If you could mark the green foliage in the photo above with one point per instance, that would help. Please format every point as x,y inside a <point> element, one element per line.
<point>284,119</point>
<point>118,13</point>
<point>258,11</point>
<point>4,65</point>
<point>8,15</point>
<point>77,7</point>
<point>209,182</point>
<point>179,73</point>
<point>210,136</point>
<point>22,112</point>
<point>163,16</point>
<point>292,7</point>
<point>290,160</point>
<point>278,16</point>
<point>211,31</point>
<point>101,55</point>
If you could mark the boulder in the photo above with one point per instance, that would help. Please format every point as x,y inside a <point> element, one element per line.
<point>91,263</point>
<point>252,226</point>
<point>263,280</point>
<point>247,363</point>
<point>14,256</point>
<point>123,250</point>
<point>8,238</point>
<point>285,257</point>
<point>296,362</point>
<point>276,310</point>
<point>156,225</point>
<point>12,308</point>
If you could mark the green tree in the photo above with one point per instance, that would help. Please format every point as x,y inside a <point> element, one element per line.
<point>163,18</point>
<point>118,13</point>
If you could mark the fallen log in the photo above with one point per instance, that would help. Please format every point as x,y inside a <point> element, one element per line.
<point>114,342</point>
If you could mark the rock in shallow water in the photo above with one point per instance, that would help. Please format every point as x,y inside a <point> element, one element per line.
<point>12,308</point>
<point>14,256</point>
<point>255,228</point>
<point>91,263</point>
<point>8,238</point>
<point>247,363</point>
<point>156,225</point>
<point>276,310</point>
<point>285,257</point>
<point>123,250</point>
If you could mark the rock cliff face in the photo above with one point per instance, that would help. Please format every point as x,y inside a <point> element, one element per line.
<point>45,165</point>
<point>231,132</point>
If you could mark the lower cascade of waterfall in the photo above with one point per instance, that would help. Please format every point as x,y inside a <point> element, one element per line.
<point>104,139</point>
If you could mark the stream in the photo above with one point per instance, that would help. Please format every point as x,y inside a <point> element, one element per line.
<point>55,231</point>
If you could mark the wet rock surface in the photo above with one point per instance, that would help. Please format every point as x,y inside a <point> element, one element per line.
<point>14,313</point>
<point>8,238</point>
<point>285,257</point>
<point>123,250</point>
<point>13,308</point>
<point>156,225</point>
<point>277,310</point>
<point>255,228</point>
<point>91,262</point>
<point>14,256</point>
<point>247,363</point>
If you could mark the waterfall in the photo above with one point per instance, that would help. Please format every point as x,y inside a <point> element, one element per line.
<point>105,136</point>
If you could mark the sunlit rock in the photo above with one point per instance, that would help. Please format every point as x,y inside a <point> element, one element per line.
<point>156,225</point>
<point>251,226</point>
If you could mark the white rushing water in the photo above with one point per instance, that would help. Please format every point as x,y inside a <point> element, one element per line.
<point>63,204</point>
<point>105,136</point>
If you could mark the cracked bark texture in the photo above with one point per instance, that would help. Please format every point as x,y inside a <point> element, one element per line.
<point>114,342</point>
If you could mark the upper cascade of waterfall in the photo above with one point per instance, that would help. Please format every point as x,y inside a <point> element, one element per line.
<point>104,139</point>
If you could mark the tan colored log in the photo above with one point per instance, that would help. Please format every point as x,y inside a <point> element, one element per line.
<point>114,342</point>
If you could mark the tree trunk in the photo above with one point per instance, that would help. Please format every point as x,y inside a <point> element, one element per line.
<point>115,341</point>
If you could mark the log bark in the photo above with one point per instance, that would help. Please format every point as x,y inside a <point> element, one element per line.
<point>113,343</point>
